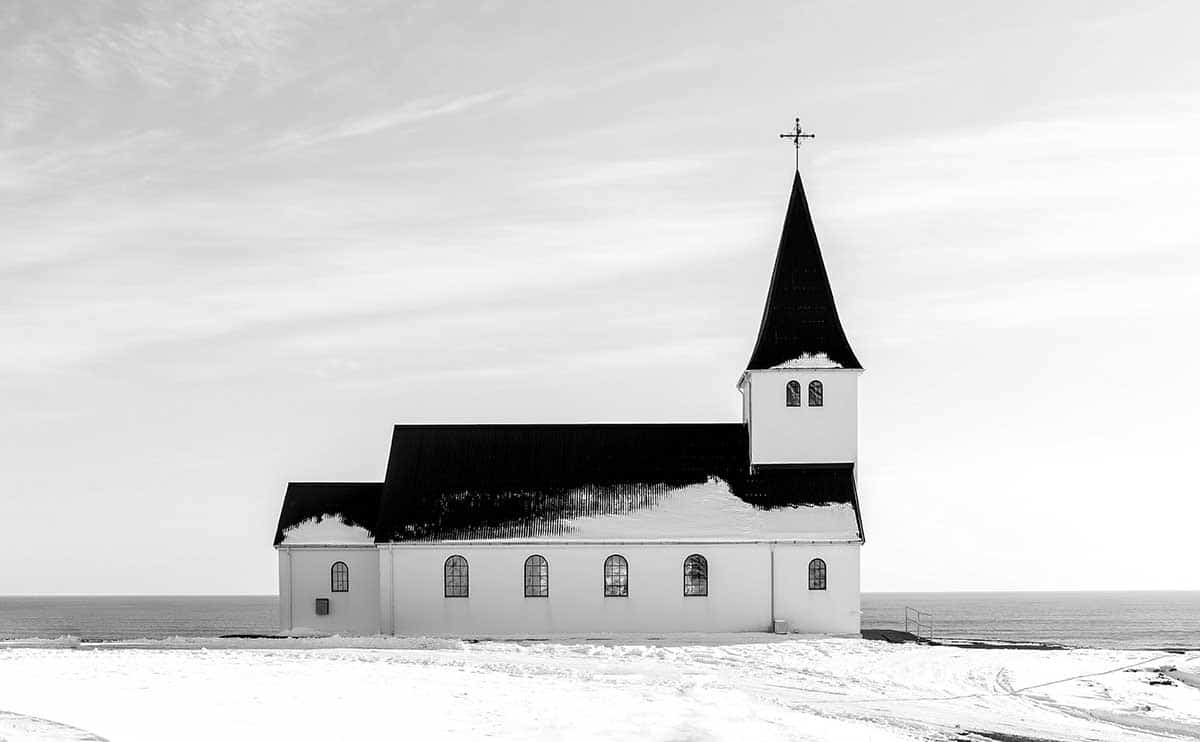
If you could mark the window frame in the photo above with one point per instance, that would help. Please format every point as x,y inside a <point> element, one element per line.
<point>336,585</point>
<point>701,560</point>
<point>816,393</point>
<point>323,607</point>
<point>545,581</point>
<point>818,574</point>
<point>466,577</point>
<point>624,593</point>
<point>793,394</point>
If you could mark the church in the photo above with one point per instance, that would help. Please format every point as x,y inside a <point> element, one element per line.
<point>587,529</point>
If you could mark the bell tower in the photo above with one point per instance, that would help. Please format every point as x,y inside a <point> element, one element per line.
<point>800,389</point>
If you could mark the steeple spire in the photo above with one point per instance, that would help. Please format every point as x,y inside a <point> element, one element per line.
<point>800,325</point>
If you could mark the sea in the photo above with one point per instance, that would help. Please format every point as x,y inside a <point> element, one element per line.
<point>1110,620</point>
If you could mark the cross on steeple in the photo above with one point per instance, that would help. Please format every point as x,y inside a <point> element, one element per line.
<point>796,135</point>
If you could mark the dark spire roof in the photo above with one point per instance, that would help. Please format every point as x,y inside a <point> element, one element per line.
<point>800,317</point>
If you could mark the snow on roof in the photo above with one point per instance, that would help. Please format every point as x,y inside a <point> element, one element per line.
<point>353,504</point>
<point>452,482</point>
<point>708,511</point>
<point>809,360</point>
<point>581,482</point>
<point>800,317</point>
<point>326,529</point>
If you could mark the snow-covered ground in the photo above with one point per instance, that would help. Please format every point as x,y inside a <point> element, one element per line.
<point>685,688</point>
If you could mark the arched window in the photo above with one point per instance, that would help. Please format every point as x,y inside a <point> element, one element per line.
<point>616,577</point>
<point>339,578</point>
<point>695,576</point>
<point>816,394</point>
<point>457,579</point>
<point>537,577</point>
<point>793,394</point>
<point>816,574</point>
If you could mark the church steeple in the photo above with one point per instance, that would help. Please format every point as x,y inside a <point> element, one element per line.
<point>800,325</point>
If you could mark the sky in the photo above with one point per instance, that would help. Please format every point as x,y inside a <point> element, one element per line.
<point>240,240</point>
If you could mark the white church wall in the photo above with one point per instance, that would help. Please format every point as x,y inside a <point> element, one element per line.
<point>285,590</point>
<point>304,576</point>
<point>803,435</point>
<point>738,592</point>
<point>834,610</point>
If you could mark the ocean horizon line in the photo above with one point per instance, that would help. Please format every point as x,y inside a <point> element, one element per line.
<point>1005,591</point>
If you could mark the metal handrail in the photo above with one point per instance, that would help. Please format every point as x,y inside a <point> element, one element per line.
<point>921,621</point>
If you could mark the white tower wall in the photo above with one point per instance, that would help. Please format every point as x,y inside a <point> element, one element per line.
<point>801,435</point>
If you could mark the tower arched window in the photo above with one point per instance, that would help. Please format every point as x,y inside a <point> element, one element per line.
<point>339,578</point>
<point>695,576</point>
<point>457,577</point>
<point>816,574</point>
<point>537,577</point>
<point>793,394</point>
<point>616,577</point>
<point>816,394</point>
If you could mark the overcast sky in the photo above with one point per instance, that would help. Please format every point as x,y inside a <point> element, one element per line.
<point>239,241</point>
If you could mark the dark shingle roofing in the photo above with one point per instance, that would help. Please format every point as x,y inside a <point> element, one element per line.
<point>512,481</point>
<point>800,316</point>
<point>356,502</point>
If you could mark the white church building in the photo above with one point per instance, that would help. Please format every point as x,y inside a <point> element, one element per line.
<point>540,530</point>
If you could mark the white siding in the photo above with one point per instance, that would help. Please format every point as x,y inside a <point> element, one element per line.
<point>353,612</point>
<point>835,610</point>
<point>739,590</point>
<point>285,590</point>
<point>803,435</point>
<point>386,595</point>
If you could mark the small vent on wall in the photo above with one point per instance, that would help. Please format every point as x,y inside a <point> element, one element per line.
<point>322,606</point>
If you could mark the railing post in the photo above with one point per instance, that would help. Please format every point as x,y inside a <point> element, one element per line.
<point>918,624</point>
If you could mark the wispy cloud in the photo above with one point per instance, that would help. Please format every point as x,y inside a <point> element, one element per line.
<point>412,112</point>
<point>1097,181</point>
<point>191,46</point>
<point>625,173</point>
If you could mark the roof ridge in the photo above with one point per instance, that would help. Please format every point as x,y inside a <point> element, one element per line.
<point>452,426</point>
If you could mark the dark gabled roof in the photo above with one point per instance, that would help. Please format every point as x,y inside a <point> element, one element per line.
<point>800,317</point>
<point>513,481</point>
<point>357,503</point>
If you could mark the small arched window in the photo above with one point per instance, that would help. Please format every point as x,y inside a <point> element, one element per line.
<point>816,394</point>
<point>616,577</point>
<point>695,576</point>
<point>793,394</point>
<point>339,578</point>
<point>816,574</point>
<point>457,577</point>
<point>537,577</point>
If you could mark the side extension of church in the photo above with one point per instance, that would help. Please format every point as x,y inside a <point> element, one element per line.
<point>537,530</point>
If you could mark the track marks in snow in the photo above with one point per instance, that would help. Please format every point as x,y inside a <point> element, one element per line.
<point>863,682</point>
<point>16,727</point>
<point>730,688</point>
